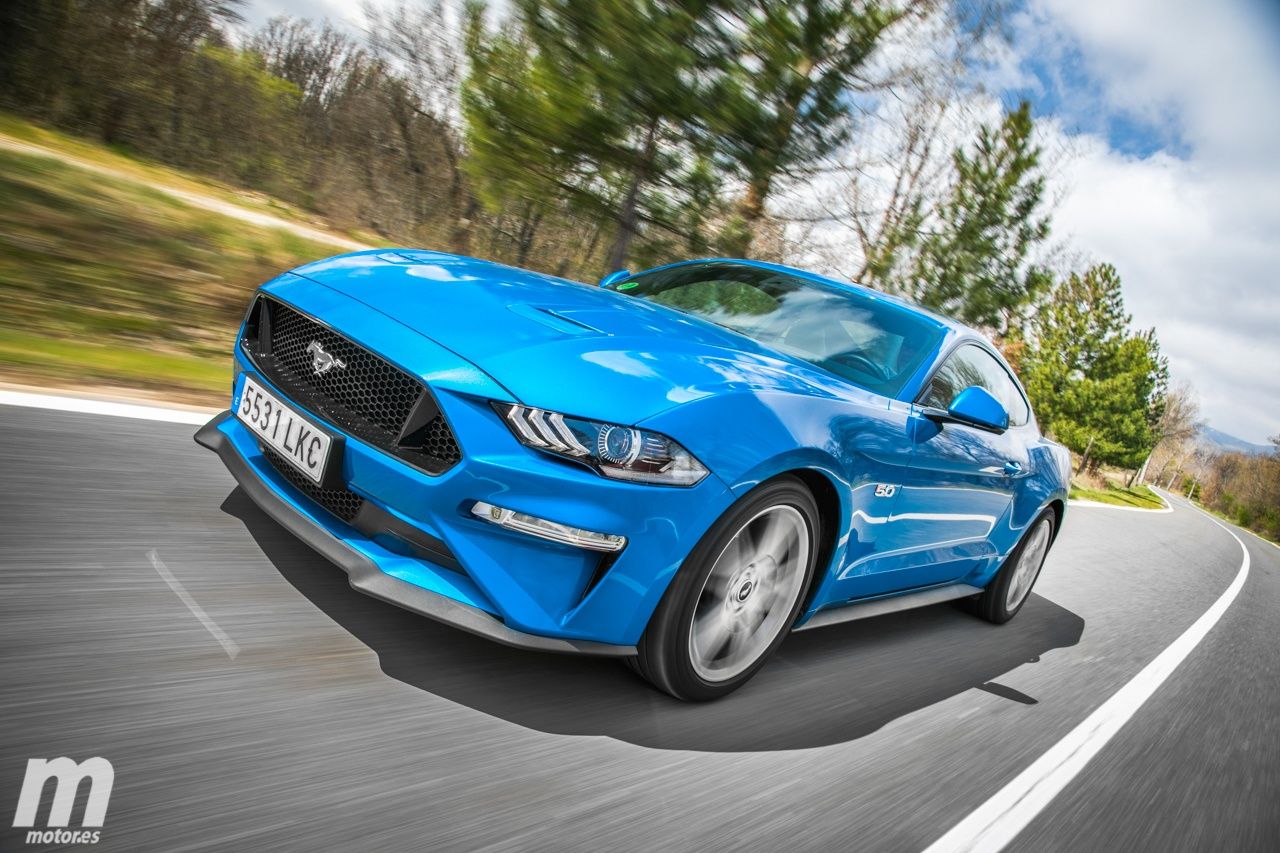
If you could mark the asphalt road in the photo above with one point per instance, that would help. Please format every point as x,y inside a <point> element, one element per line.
<point>343,723</point>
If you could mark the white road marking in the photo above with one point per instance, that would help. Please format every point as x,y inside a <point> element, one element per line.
<point>1259,537</point>
<point>999,820</point>
<point>228,645</point>
<point>87,406</point>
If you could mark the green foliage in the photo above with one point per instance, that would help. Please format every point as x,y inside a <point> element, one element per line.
<point>592,133</point>
<point>969,254</point>
<point>587,102</point>
<point>159,79</point>
<point>516,136</point>
<point>691,219</point>
<point>1094,384</point>
<point>782,100</point>
<point>637,110</point>
<point>256,107</point>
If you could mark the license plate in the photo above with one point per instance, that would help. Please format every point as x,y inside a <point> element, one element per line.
<point>305,445</point>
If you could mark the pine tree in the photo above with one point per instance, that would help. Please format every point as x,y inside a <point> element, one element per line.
<point>594,98</point>
<point>1096,386</point>
<point>968,256</point>
<point>783,102</point>
<point>522,148</point>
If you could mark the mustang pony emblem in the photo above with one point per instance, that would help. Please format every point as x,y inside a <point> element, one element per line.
<point>321,361</point>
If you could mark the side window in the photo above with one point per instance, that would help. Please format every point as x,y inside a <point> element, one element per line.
<point>972,365</point>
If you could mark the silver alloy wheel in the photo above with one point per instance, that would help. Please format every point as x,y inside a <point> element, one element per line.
<point>1028,566</point>
<point>748,596</point>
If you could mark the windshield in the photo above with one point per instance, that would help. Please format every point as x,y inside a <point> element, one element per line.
<point>874,344</point>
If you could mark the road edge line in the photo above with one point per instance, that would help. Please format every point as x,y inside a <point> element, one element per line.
<point>996,822</point>
<point>87,406</point>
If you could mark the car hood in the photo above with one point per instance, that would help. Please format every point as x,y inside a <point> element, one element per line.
<point>563,345</point>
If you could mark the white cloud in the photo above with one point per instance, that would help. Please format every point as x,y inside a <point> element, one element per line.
<point>1196,238</point>
<point>1193,228</point>
<point>1206,284</point>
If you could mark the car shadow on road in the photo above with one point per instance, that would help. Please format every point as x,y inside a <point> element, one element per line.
<point>824,687</point>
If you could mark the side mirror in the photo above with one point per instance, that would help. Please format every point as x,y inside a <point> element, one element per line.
<point>614,277</point>
<point>976,407</point>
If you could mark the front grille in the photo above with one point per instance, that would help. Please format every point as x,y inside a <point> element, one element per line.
<point>342,503</point>
<point>368,396</point>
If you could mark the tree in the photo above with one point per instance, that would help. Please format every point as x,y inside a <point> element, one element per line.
<point>1096,385</point>
<point>885,217</point>
<point>120,69</point>
<point>593,98</point>
<point>783,99</point>
<point>1246,488</point>
<point>341,116</point>
<point>1176,426</point>
<point>420,42</point>
<point>969,254</point>
<point>522,131</point>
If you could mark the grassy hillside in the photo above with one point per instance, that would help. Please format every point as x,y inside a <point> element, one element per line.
<point>107,280</point>
<point>93,154</point>
<point>1139,496</point>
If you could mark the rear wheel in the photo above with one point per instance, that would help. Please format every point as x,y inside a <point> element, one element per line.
<point>1008,591</point>
<point>736,596</point>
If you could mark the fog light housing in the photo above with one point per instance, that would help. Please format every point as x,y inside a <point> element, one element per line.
<point>550,530</point>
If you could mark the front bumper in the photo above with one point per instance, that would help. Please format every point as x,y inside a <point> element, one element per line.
<point>531,586</point>
<point>364,574</point>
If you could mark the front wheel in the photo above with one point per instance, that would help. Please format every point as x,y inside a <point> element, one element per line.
<point>1008,590</point>
<point>736,596</point>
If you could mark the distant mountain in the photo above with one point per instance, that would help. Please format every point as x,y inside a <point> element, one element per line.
<point>1222,441</point>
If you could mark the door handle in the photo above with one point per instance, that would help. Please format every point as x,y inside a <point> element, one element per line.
<point>1012,469</point>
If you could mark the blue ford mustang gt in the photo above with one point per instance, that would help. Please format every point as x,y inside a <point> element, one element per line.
<point>677,467</point>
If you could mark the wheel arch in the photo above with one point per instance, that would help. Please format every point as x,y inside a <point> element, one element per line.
<point>1059,508</point>
<point>829,492</point>
<point>830,514</point>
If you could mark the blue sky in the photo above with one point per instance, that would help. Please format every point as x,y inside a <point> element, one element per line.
<point>1063,81</point>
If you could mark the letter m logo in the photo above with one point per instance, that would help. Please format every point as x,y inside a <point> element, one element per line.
<point>69,775</point>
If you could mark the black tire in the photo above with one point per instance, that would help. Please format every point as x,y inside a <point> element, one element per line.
<point>665,657</point>
<point>993,605</point>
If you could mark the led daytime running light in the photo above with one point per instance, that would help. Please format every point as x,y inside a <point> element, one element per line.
<point>546,529</point>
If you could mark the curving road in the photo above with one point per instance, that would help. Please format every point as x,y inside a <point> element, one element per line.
<point>302,716</point>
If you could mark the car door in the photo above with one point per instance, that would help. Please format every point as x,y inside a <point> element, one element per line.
<point>960,483</point>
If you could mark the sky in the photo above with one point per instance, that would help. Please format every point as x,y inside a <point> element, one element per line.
<point>1171,112</point>
<point>1167,114</point>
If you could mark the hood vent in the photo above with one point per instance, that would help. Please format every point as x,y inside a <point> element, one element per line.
<point>551,318</point>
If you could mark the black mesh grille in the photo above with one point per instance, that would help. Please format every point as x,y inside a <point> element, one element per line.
<point>362,393</point>
<point>342,503</point>
<point>361,383</point>
<point>439,441</point>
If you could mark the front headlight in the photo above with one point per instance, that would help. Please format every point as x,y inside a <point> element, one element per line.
<point>620,452</point>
